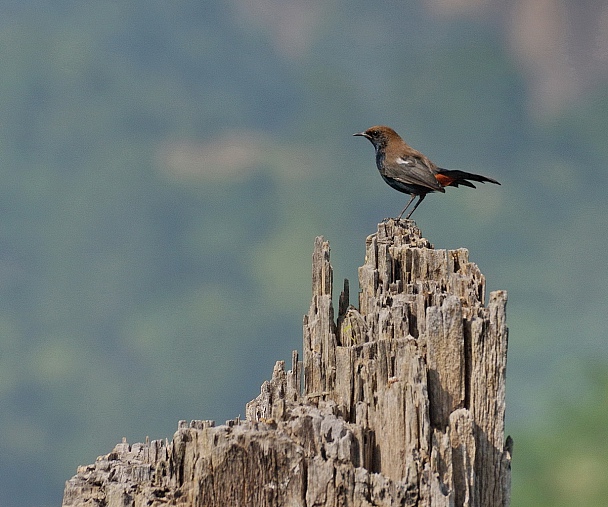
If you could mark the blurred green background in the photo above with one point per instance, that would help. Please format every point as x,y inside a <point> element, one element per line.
<point>166,166</point>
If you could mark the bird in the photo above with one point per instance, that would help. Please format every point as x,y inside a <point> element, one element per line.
<point>411,172</point>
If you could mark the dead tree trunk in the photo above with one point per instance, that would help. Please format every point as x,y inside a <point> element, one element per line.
<point>403,402</point>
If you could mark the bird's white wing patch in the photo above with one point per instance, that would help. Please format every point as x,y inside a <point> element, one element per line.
<point>405,161</point>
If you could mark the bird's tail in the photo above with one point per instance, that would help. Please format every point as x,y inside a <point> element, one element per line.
<point>448,178</point>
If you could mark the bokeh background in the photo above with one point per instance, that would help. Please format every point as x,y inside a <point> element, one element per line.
<point>165,167</point>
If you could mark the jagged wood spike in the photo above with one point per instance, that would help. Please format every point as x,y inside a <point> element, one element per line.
<point>402,402</point>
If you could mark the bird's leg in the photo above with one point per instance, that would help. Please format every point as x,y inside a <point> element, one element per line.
<point>422,196</point>
<point>406,207</point>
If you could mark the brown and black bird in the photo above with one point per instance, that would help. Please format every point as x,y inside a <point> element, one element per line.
<point>411,172</point>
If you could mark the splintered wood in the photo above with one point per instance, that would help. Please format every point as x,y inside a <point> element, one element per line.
<point>399,402</point>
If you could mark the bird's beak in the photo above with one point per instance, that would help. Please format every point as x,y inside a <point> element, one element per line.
<point>362,134</point>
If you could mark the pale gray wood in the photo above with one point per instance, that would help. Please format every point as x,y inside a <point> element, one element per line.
<point>399,402</point>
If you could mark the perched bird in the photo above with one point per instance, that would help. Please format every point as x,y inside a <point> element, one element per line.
<point>411,172</point>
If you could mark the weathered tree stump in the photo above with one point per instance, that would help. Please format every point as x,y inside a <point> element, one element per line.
<point>403,402</point>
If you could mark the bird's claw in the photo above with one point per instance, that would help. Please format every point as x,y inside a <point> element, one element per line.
<point>397,220</point>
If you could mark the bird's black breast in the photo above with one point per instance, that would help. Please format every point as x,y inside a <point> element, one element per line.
<point>380,156</point>
<point>406,188</point>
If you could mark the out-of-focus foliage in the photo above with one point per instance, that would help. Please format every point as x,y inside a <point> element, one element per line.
<point>562,461</point>
<point>165,168</point>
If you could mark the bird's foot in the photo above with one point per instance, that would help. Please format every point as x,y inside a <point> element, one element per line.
<point>403,222</point>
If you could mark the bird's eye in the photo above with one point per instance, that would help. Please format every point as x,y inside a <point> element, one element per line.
<point>375,133</point>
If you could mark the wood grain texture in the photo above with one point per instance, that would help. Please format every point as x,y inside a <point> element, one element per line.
<point>399,402</point>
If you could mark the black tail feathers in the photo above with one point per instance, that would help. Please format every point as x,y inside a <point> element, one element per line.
<point>462,177</point>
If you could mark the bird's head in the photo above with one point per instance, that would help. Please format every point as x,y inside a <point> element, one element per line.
<point>379,135</point>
